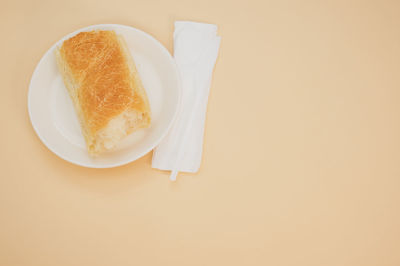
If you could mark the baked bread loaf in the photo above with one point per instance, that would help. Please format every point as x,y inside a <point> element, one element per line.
<point>104,85</point>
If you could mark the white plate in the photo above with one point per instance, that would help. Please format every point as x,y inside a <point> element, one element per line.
<point>54,119</point>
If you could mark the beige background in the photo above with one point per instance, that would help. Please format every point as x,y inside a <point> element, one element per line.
<point>301,154</point>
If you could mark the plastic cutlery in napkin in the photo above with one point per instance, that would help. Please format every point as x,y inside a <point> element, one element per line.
<point>195,50</point>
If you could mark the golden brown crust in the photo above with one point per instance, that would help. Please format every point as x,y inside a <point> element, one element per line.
<point>141,103</point>
<point>102,81</point>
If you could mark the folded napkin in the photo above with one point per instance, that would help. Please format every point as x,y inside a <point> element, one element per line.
<point>195,50</point>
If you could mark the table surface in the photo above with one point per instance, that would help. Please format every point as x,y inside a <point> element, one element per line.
<point>301,151</point>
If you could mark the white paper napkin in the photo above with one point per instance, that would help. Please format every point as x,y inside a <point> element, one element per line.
<point>195,50</point>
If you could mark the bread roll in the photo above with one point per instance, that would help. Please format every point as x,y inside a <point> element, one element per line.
<point>105,87</point>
